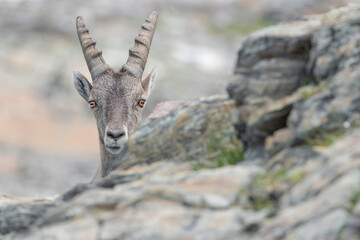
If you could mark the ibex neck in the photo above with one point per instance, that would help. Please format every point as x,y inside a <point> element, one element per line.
<point>107,160</point>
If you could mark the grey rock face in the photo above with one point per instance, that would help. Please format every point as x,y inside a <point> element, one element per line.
<point>184,176</point>
<point>333,108</point>
<point>336,45</point>
<point>327,47</point>
<point>18,213</point>
<point>272,62</point>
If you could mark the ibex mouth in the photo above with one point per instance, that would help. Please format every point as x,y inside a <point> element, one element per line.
<point>113,150</point>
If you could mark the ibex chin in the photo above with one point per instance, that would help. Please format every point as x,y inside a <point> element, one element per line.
<point>116,99</point>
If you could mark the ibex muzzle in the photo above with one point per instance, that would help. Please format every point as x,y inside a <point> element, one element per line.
<point>116,98</point>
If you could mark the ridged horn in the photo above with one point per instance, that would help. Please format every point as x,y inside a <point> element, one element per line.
<point>93,56</point>
<point>138,54</point>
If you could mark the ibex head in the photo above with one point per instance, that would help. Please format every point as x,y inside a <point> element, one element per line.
<point>116,98</point>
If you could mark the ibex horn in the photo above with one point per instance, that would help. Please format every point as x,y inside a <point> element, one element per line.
<point>138,55</point>
<point>93,56</point>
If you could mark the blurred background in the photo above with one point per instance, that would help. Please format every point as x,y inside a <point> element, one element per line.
<point>48,138</point>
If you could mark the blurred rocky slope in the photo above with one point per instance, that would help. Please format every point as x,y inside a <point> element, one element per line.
<point>290,169</point>
<point>46,130</point>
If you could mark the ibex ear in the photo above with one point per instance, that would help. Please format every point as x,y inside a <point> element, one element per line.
<point>149,81</point>
<point>82,85</point>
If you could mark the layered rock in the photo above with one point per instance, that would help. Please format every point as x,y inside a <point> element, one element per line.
<point>272,62</point>
<point>329,61</point>
<point>289,196</point>
<point>18,213</point>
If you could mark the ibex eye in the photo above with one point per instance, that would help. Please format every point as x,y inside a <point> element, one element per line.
<point>92,104</point>
<point>141,102</point>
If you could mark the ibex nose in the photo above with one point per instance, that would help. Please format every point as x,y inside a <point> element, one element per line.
<point>115,134</point>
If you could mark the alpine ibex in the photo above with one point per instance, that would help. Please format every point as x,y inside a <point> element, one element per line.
<point>117,99</point>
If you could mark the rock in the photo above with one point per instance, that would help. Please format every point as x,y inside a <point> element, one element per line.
<point>262,117</point>
<point>272,62</point>
<point>261,122</point>
<point>334,174</point>
<point>275,61</point>
<point>328,110</point>
<point>281,139</point>
<point>173,202</point>
<point>326,46</point>
<point>295,157</point>
<point>335,45</point>
<point>183,202</point>
<point>19,213</point>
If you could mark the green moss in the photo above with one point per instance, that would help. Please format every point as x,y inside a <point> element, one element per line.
<point>220,154</point>
<point>354,199</point>
<point>271,179</point>
<point>268,186</point>
<point>320,137</point>
<point>296,177</point>
<point>323,140</point>
<point>305,94</point>
<point>228,154</point>
<point>256,199</point>
<point>309,91</point>
<point>197,166</point>
<point>260,202</point>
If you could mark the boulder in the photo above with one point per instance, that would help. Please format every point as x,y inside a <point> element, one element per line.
<point>272,62</point>
<point>335,108</point>
<point>19,213</point>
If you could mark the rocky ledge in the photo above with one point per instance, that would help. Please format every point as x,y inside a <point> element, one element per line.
<point>279,159</point>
